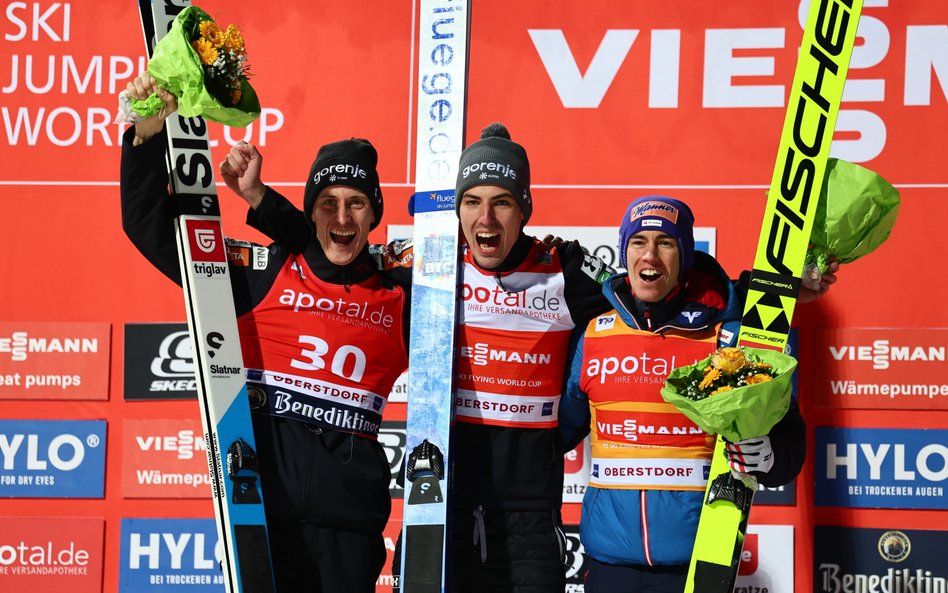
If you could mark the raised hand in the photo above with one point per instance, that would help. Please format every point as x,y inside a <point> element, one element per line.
<point>141,88</point>
<point>241,173</point>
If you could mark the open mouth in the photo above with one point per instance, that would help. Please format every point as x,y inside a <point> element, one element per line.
<point>650,275</point>
<point>487,242</point>
<point>342,237</point>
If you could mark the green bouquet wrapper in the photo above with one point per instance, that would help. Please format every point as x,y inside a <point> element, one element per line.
<point>743,412</point>
<point>176,67</point>
<point>855,215</point>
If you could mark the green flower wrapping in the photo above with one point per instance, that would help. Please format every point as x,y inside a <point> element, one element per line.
<point>741,413</point>
<point>177,68</point>
<point>855,214</point>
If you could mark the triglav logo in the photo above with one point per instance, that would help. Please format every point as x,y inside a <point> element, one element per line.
<point>207,246</point>
<point>204,238</point>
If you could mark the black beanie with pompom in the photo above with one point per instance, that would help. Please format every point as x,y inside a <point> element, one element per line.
<point>496,160</point>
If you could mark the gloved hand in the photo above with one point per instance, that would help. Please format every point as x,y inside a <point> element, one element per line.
<point>750,455</point>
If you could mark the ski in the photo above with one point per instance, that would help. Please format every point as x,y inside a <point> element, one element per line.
<point>812,108</point>
<point>212,322</point>
<point>443,28</point>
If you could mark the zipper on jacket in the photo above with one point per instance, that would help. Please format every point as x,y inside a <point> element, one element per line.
<point>646,539</point>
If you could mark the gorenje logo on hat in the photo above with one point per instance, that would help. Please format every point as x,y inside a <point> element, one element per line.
<point>503,169</point>
<point>344,171</point>
<point>655,210</point>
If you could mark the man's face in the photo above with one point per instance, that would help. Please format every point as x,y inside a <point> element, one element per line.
<point>491,220</point>
<point>654,260</point>
<point>342,217</point>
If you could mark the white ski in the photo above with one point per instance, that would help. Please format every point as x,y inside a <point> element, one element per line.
<point>212,321</point>
<point>442,81</point>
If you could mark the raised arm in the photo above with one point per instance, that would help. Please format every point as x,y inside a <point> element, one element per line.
<point>147,212</point>
<point>277,218</point>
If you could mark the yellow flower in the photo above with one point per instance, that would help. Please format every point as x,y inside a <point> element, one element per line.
<point>758,378</point>
<point>711,374</point>
<point>205,51</point>
<point>728,360</point>
<point>233,40</point>
<point>209,30</point>
<point>721,389</point>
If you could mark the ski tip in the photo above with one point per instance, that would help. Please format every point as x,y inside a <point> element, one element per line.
<point>495,130</point>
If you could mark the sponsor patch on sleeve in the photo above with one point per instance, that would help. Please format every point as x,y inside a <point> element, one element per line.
<point>604,322</point>
<point>596,269</point>
<point>247,255</point>
<point>261,257</point>
<point>238,255</point>
<point>399,254</point>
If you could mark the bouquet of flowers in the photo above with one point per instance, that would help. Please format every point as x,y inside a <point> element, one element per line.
<point>205,67</point>
<point>738,393</point>
<point>855,214</point>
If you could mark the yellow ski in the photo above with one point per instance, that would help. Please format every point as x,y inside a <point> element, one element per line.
<point>812,107</point>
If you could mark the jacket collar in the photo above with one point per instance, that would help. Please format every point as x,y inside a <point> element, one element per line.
<point>359,270</point>
<point>706,296</point>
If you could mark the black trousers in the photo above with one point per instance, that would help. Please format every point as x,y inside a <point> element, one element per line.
<point>310,558</point>
<point>513,552</point>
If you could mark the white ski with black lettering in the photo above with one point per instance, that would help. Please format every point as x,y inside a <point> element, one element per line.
<point>212,322</point>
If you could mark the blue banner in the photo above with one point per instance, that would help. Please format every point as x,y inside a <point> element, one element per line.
<point>170,555</point>
<point>52,458</point>
<point>881,468</point>
<point>431,201</point>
